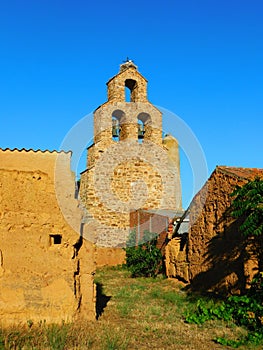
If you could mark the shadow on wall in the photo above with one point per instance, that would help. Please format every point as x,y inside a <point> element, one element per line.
<point>230,256</point>
<point>101,300</point>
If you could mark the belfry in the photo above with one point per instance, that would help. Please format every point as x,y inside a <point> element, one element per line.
<point>130,165</point>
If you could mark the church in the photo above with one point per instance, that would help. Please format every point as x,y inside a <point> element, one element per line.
<point>131,165</point>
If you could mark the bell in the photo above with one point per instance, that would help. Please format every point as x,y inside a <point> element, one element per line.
<point>141,131</point>
<point>115,131</point>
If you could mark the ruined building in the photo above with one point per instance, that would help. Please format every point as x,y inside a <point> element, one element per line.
<point>46,267</point>
<point>216,256</point>
<point>130,165</point>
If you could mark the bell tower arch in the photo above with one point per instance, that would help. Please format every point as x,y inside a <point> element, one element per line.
<point>134,120</point>
<point>130,78</point>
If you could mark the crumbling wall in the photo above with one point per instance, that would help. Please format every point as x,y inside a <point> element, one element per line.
<point>176,259</point>
<point>217,251</point>
<point>214,256</point>
<point>47,267</point>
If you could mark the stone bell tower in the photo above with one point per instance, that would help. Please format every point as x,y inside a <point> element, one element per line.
<point>130,165</point>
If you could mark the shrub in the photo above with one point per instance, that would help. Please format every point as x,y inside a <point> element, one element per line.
<point>143,259</point>
<point>243,310</point>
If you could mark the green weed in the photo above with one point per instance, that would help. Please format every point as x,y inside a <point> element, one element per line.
<point>114,341</point>
<point>57,336</point>
<point>246,311</point>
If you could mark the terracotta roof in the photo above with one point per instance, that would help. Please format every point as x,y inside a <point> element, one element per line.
<point>242,173</point>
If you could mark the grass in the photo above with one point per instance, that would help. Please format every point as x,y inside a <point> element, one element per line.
<point>133,313</point>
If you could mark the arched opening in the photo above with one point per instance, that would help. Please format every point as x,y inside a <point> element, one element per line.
<point>117,118</point>
<point>127,94</point>
<point>141,130</point>
<point>130,90</point>
<point>115,129</point>
<point>144,121</point>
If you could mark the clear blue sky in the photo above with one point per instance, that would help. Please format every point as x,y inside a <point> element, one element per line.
<point>203,60</point>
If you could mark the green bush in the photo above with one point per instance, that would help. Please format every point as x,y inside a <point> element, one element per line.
<point>143,258</point>
<point>243,310</point>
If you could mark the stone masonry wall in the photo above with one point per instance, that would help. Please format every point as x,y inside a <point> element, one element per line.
<point>116,85</point>
<point>128,173</point>
<point>126,177</point>
<point>47,269</point>
<point>128,114</point>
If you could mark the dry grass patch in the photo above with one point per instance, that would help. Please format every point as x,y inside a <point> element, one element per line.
<point>134,313</point>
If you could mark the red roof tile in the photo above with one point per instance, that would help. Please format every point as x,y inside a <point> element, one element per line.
<point>243,173</point>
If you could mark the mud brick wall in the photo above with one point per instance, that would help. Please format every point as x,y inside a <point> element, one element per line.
<point>176,260</point>
<point>217,252</point>
<point>46,268</point>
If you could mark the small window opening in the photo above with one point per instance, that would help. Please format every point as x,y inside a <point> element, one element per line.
<point>55,239</point>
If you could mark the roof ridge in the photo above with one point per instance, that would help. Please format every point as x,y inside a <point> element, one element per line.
<point>32,150</point>
<point>236,167</point>
<point>237,171</point>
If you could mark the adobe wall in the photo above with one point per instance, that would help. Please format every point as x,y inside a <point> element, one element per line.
<point>216,256</point>
<point>217,252</point>
<point>176,263</point>
<point>46,268</point>
<point>105,256</point>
